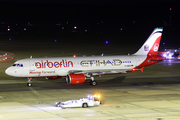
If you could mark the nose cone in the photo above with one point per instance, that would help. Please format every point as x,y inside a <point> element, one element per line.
<point>9,71</point>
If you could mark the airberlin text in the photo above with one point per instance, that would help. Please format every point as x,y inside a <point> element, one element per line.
<point>56,64</point>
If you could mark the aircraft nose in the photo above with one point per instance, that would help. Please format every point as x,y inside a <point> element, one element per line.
<point>8,71</point>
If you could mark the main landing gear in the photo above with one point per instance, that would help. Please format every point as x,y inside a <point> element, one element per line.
<point>93,82</point>
<point>29,84</point>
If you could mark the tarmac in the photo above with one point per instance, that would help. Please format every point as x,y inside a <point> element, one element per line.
<point>149,95</point>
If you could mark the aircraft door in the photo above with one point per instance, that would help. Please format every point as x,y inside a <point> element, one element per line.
<point>32,65</point>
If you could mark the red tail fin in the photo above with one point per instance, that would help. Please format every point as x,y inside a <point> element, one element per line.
<point>151,46</point>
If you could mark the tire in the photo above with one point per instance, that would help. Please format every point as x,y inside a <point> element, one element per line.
<point>93,83</point>
<point>85,105</point>
<point>29,84</point>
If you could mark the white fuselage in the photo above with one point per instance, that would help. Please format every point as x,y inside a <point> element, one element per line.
<point>57,66</point>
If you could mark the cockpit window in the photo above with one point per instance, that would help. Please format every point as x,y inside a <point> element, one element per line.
<point>18,65</point>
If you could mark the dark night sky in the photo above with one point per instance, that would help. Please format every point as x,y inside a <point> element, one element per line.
<point>93,1</point>
<point>133,16</point>
<point>54,10</point>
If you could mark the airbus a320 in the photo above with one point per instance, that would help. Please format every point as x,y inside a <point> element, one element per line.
<point>80,69</point>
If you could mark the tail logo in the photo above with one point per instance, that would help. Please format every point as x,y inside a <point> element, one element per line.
<point>156,46</point>
<point>146,48</point>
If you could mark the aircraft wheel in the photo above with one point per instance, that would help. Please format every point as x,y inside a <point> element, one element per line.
<point>93,83</point>
<point>29,84</point>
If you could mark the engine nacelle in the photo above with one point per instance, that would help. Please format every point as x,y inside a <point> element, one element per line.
<point>75,78</point>
<point>53,77</point>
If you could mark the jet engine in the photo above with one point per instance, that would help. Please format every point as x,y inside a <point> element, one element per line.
<point>75,78</point>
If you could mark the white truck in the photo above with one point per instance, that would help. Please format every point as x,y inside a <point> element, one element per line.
<point>84,102</point>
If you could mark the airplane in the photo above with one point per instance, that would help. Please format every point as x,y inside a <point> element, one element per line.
<point>80,69</point>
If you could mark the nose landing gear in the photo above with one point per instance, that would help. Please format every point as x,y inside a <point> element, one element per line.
<point>29,84</point>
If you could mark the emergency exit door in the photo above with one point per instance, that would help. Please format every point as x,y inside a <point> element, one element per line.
<point>32,65</point>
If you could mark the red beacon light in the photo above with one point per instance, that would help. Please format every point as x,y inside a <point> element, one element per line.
<point>133,69</point>
<point>74,56</point>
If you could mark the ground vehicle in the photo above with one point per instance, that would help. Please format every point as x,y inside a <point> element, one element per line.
<point>171,53</point>
<point>84,102</point>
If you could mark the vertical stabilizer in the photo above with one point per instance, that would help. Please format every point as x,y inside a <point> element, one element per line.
<point>151,46</point>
